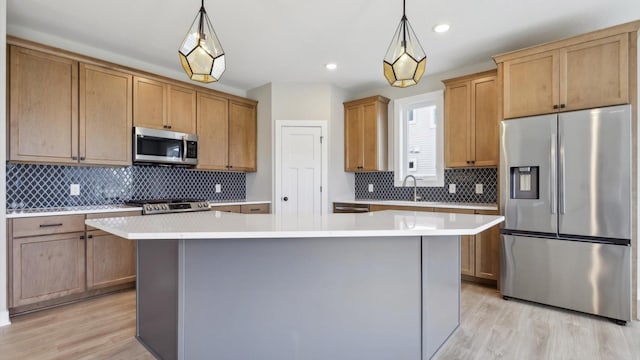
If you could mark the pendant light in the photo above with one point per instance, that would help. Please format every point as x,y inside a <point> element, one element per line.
<point>201,54</point>
<point>405,61</point>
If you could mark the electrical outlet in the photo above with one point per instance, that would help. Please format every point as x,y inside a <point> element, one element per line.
<point>479,189</point>
<point>370,187</point>
<point>218,188</point>
<point>452,188</point>
<point>75,189</point>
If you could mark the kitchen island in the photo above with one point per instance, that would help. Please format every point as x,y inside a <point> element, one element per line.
<point>383,285</point>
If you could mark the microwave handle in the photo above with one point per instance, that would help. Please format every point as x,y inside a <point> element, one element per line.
<point>184,148</point>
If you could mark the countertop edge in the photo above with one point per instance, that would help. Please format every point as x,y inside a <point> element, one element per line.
<point>293,233</point>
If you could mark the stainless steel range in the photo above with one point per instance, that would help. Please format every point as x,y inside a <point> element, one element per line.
<point>163,206</point>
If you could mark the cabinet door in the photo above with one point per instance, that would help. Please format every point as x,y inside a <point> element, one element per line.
<point>531,85</point>
<point>43,103</point>
<point>111,260</point>
<point>484,122</point>
<point>105,116</point>
<point>467,245</point>
<point>458,125</point>
<point>47,267</point>
<point>242,136</point>
<point>370,137</point>
<point>353,138</point>
<point>181,109</point>
<point>595,73</point>
<point>487,251</point>
<point>213,132</point>
<point>149,103</point>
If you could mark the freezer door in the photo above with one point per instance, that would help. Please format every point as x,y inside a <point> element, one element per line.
<point>588,277</point>
<point>595,172</point>
<point>528,158</point>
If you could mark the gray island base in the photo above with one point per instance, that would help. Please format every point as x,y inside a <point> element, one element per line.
<point>377,286</point>
<point>298,298</point>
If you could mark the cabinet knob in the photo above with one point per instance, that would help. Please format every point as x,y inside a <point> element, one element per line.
<point>89,236</point>
<point>285,198</point>
<point>82,158</point>
<point>562,106</point>
<point>74,158</point>
<point>555,106</point>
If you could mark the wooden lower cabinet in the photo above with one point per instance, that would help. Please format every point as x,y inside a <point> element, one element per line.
<point>111,260</point>
<point>479,254</point>
<point>47,267</point>
<point>487,251</point>
<point>56,259</point>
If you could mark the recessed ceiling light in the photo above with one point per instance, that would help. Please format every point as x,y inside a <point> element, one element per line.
<point>441,28</point>
<point>331,66</point>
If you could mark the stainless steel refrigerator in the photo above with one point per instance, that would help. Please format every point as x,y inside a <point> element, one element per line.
<point>566,197</point>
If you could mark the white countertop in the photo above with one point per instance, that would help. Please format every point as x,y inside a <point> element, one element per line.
<point>451,205</point>
<point>70,210</point>
<point>221,225</point>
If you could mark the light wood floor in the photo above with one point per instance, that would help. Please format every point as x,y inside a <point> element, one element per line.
<point>491,328</point>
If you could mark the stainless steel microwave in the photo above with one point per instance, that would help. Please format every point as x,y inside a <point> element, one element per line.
<point>164,147</point>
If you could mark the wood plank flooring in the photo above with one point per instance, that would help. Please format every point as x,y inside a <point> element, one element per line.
<point>491,328</point>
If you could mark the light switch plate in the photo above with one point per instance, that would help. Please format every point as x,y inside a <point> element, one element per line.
<point>218,188</point>
<point>452,188</point>
<point>479,189</point>
<point>75,189</point>
<point>370,187</point>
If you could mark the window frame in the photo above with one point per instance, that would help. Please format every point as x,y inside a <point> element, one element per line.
<point>399,149</point>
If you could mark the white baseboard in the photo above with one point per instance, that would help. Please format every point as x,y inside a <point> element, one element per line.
<point>4,318</point>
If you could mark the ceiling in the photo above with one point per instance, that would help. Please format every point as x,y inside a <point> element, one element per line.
<point>291,41</point>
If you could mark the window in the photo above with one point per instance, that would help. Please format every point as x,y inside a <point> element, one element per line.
<point>418,138</point>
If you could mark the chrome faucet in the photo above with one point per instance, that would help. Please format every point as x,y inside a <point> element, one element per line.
<point>404,183</point>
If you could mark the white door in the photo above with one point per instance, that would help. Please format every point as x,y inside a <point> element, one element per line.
<point>301,170</point>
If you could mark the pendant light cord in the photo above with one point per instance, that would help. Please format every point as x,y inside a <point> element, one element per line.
<point>201,21</point>
<point>404,24</point>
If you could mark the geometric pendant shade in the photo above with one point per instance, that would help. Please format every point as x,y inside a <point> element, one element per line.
<point>201,54</point>
<point>405,61</point>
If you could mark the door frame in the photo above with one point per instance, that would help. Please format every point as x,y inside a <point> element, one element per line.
<point>277,167</point>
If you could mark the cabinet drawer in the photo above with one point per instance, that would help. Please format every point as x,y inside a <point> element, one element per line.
<point>255,209</point>
<point>111,215</point>
<point>227,208</point>
<point>47,225</point>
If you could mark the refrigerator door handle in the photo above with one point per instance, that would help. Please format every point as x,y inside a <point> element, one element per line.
<point>554,174</point>
<point>562,175</point>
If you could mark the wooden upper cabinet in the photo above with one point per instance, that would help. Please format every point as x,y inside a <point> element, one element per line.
<point>181,109</point>
<point>353,138</point>
<point>105,116</point>
<point>365,134</point>
<point>43,107</point>
<point>458,124</point>
<point>582,72</point>
<point>242,136</point>
<point>149,103</point>
<point>161,105</point>
<point>471,120</point>
<point>213,132</point>
<point>484,121</point>
<point>531,84</point>
<point>595,73</point>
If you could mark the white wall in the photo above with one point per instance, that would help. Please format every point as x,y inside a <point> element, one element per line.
<point>4,312</point>
<point>260,183</point>
<point>120,59</point>
<point>300,101</point>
